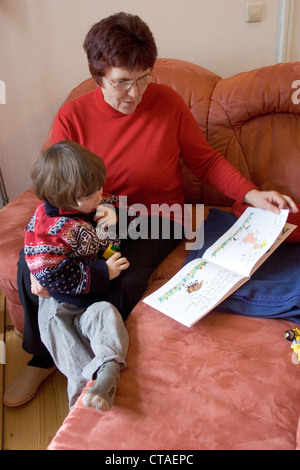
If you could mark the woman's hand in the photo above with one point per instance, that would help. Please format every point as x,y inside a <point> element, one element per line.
<point>115,264</point>
<point>105,216</point>
<point>37,288</point>
<point>270,200</point>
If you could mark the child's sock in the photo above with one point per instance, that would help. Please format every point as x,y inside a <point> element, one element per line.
<point>101,395</point>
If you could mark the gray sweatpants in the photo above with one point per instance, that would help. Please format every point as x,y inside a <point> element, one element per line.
<point>82,340</point>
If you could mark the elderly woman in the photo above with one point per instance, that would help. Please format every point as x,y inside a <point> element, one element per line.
<point>137,127</point>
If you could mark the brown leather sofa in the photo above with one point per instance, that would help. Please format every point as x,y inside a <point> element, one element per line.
<point>228,382</point>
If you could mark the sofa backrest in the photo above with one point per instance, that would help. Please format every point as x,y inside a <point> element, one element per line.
<point>252,118</point>
<point>254,121</point>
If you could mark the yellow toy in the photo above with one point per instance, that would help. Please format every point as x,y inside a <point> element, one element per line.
<point>294,336</point>
<point>110,250</point>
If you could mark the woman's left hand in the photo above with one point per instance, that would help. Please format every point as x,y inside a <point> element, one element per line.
<point>270,200</point>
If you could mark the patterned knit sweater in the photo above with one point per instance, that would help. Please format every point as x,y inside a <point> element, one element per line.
<point>64,253</point>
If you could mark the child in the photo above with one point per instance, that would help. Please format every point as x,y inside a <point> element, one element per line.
<point>64,254</point>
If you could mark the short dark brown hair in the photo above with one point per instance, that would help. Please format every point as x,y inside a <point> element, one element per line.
<point>65,173</point>
<point>120,40</point>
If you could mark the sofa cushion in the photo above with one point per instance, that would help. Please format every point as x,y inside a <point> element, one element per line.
<point>14,217</point>
<point>226,383</point>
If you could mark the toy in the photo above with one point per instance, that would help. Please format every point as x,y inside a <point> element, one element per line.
<point>294,336</point>
<point>110,250</point>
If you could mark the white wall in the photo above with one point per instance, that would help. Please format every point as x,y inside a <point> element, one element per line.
<point>41,56</point>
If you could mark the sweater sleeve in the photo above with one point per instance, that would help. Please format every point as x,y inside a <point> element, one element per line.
<point>206,163</point>
<point>73,277</point>
<point>61,130</point>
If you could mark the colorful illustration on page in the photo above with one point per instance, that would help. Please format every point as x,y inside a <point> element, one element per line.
<point>186,283</point>
<point>250,238</point>
<point>245,225</point>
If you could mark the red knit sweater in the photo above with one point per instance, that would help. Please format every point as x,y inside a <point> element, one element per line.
<point>141,150</point>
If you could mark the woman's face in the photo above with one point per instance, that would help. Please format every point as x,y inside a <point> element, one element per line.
<point>114,89</point>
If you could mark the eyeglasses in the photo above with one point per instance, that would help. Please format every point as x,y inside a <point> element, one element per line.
<point>125,86</point>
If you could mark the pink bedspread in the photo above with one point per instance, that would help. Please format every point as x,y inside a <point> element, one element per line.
<point>226,383</point>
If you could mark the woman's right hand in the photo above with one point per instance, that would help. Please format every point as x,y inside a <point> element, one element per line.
<point>115,264</point>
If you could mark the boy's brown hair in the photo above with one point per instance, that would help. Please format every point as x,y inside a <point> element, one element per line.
<point>65,173</point>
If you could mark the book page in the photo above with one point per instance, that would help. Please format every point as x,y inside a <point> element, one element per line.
<point>194,291</point>
<point>240,248</point>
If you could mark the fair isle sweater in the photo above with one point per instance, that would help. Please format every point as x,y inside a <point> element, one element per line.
<point>141,150</point>
<point>63,252</point>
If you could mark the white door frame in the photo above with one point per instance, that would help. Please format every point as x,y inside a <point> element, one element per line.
<point>287,15</point>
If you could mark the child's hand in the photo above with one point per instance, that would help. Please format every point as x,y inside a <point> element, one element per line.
<point>115,264</point>
<point>37,288</point>
<point>105,216</point>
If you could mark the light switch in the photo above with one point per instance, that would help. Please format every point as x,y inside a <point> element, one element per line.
<point>254,12</point>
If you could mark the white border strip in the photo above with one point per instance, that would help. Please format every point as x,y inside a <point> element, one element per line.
<point>286,15</point>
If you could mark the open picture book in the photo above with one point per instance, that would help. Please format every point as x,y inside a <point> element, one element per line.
<point>227,264</point>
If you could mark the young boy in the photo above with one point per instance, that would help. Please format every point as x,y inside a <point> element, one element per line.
<point>64,254</point>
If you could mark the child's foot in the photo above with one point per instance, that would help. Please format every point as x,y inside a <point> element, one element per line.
<point>102,393</point>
